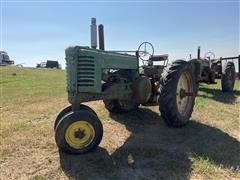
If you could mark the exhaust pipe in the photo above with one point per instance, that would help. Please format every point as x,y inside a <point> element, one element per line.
<point>198,52</point>
<point>101,36</point>
<point>93,28</point>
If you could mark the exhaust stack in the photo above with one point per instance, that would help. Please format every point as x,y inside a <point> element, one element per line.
<point>101,36</point>
<point>198,52</point>
<point>93,28</point>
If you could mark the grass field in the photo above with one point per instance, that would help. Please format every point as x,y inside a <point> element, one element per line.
<point>136,145</point>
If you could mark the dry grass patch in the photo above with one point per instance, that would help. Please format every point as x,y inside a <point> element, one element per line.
<point>136,145</point>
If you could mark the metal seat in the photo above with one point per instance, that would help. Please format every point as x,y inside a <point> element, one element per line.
<point>163,57</point>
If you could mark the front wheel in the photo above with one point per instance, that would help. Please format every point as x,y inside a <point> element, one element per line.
<point>78,132</point>
<point>177,93</point>
<point>68,109</point>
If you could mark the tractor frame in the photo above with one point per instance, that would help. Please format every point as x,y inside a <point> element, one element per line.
<point>117,78</point>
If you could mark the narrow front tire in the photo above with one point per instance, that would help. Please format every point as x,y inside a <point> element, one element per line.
<point>68,109</point>
<point>78,132</point>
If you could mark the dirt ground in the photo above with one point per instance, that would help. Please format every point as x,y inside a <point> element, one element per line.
<point>136,145</point>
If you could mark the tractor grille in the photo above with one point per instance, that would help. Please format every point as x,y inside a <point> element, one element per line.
<point>85,71</point>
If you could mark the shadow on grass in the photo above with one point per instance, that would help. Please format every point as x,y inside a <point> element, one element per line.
<point>154,151</point>
<point>218,95</point>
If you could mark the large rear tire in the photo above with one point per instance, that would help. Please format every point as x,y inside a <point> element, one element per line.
<point>228,77</point>
<point>177,93</point>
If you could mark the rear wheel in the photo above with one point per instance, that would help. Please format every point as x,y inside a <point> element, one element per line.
<point>68,109</point>
<point>78,132</point>
<point>228,77</point>
<point>177,93</point>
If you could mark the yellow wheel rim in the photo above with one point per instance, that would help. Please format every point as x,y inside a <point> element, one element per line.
<point>79,134</point>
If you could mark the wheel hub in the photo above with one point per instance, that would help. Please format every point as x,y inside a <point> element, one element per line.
<point>79,134</point>
<point>183,93</point>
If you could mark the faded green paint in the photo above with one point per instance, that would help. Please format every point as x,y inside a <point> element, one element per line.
<point>117,60</point>
<point>84,72</point>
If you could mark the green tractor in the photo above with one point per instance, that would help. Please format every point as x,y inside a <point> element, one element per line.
<point>211,68</point>
<point>117,78</point>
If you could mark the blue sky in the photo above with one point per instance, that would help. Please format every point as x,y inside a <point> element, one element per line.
<point>33,32</point>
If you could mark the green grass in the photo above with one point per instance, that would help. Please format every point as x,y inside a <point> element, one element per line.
<point>136,145</point>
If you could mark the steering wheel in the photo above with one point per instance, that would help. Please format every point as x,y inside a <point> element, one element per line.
<point>145,51</point>
<point>209,55</point>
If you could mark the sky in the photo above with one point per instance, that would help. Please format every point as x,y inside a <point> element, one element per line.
<point>36,31</point>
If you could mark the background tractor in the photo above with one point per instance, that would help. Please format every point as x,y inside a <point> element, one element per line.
<point>209,68</point>
<point>117,78</point>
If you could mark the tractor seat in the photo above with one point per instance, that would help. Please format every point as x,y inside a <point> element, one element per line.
<point>163,57</point>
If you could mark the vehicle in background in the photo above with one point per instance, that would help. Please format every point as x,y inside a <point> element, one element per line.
<point>4,59</point>
<point>49,64</point>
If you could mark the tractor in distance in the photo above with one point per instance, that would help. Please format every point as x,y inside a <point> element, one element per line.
<point>117,78</point>
<point>212,68</point>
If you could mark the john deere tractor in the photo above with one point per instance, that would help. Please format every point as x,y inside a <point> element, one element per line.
<point>124,80</point>
<point>211,68</point>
